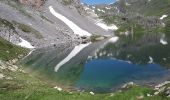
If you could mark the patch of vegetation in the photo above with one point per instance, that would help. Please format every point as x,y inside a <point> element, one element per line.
<point>109,19</point>
<point>9,51</point>
<point>95,38</point>
<point>45,18</point>
<point>167,29</point>
<point>17,5</point>
<point>28,29</point>
<point>67,2</point>
<point>5,23</point>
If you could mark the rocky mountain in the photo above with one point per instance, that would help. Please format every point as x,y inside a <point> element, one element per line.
<point>31,20</point>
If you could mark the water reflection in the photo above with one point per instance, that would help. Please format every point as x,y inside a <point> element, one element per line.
<point>72,54</point>
<point>102,66</point>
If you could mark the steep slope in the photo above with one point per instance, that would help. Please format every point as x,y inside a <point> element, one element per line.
<point>33,21</point>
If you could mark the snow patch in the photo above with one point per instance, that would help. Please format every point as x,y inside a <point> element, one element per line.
<point>86,8</point>
<point>106,27</point>
<point>162,41</point>
<point>127,4</point>
<point>108,8</point>
<point>150,60</point>
<point>114,39</point>
<point>73,53</point>
<point>76,29</point>
<point>93,7</point>
<point>25,44</point>
<point>163,16</point>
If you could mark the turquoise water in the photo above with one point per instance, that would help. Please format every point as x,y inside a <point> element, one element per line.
<point>106,74</point>
<point>103,66</point>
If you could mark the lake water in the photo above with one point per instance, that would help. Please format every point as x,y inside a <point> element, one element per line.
<point>102,66</point>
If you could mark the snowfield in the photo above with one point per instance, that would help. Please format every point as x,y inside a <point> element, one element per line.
<point>76,29</point>
<point>73,53</point>
<point>163,16</point>
<point>25,44</point>
<point>106,27</point>
<point>114,39</point>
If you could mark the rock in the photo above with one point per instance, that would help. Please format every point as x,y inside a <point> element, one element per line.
<point>128,85</point>
<point>156,93</point>
<point>7,51</point>
<point>13,68</point>
<point>161,85</point>
<point>140,97</point>
<point>2,65</point>
<point>92,93</point>
<point>1,76</point>
<point>148,94</point>
<point>14,61</point>
<point>58,88</point>
<point>167,92</point>
<point>9,78</point>
<point>36,3</point>
<point>20,56</point>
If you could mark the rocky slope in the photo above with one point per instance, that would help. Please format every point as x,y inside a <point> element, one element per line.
<point>32,21</point>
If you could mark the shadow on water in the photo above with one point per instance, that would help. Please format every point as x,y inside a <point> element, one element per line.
<point>103,66</point>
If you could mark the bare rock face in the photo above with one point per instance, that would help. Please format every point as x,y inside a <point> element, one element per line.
<point>36,3</point>
<point>74,3</point>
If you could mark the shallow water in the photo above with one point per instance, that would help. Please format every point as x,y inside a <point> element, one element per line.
<point>102,66</point>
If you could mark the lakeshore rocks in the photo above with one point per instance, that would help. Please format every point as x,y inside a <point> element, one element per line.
<point>163,88</point>
<point>58,88</point>
<point>128,85</point>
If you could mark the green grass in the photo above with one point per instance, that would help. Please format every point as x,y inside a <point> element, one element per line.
<point>9,51</point>
<point>29,88</point>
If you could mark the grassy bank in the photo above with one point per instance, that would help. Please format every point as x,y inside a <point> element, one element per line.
<point>9,51</point>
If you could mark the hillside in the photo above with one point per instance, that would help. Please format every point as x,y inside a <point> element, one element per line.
<point>49,48</point>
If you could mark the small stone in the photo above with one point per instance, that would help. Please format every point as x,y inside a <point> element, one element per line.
<point>13,68</point>
<point>156,93</point>
<point>130,84</point>
<point>58,88</point>
<point>148,95</point>
<point>92,93</point>
<point>14,61</point>
<point>1,76</point>
<point>9,78</point>
<point>140,97</point>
